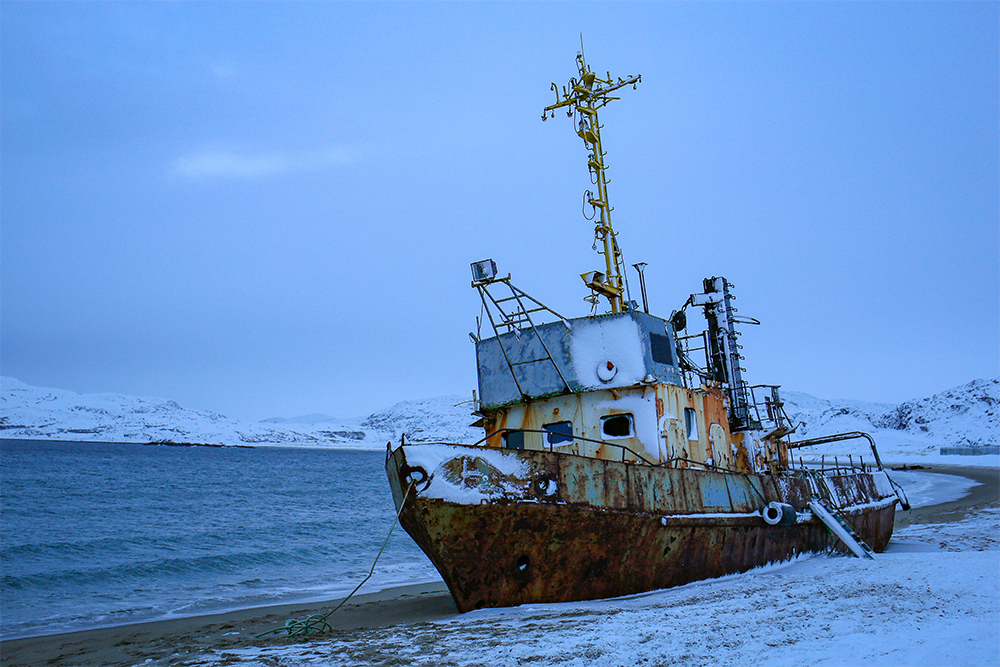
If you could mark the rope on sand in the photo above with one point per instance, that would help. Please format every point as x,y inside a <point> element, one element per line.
<point>317,624</point>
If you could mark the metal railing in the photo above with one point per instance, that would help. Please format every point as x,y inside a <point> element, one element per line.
<point>553,447</point>
<point>851,435</point>
<point>567,436</point>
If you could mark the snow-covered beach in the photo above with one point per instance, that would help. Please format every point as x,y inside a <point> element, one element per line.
<point>915,605</point>
<point>933,598</point>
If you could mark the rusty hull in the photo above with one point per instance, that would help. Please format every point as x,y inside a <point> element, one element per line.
<point>552,527</point>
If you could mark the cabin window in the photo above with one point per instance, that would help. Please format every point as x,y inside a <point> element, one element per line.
<point>558,432</point>
<point>513,439</point>
<point>659,346</point>
<point>691,421</point>
<point>618,426</point>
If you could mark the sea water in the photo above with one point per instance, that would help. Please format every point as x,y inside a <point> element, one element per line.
<point>96,534</point>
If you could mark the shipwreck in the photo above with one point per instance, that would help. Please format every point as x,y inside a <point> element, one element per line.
<point>622,452</point>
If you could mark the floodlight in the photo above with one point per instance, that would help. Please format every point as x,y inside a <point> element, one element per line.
<point>484,271</point>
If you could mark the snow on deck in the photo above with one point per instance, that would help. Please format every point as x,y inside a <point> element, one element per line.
<point>485,474</point>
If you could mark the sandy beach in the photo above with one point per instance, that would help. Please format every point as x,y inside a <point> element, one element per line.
<point>181,638</point>
<point>180,641</point>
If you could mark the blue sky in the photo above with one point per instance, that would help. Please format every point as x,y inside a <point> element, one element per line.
<point>269,209</point>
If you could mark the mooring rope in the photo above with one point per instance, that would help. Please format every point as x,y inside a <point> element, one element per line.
<point>317,624</point>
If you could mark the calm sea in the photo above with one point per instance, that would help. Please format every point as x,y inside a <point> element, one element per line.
<point>105,534</point>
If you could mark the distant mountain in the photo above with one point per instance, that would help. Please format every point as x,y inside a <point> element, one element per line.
<point>304,419</point>
<point>443,419</point>
<point>962,416</point>
<point>56,414</point>
<point>959,414</point>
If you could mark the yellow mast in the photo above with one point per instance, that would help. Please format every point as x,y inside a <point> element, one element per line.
<point>584,96</point>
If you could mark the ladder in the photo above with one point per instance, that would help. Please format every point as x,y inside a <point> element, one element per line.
<point>515,315</point>
<point>839,527</point>
<point>520,314</point>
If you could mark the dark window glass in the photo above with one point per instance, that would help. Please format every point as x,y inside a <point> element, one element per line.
<point>617,426</point>
<point>513,439</point>
<point>660,347</point>
<point>558,432</point>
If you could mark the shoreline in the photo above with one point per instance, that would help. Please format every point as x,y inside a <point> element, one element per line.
<point>309,604</point>
<point>187,637</point>
<point>983,461</point>
<point>192,635</point>
<point>985,494</point>
<point>148,443</point>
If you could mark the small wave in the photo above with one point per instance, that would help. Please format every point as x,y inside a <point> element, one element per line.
<point>160,569</point>
<point>103,535</point>
<point>83,549</point>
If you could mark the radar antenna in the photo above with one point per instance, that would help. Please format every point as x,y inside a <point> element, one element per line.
<point>584,96</point>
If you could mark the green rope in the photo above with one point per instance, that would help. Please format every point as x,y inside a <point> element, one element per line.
<point>317,624</point>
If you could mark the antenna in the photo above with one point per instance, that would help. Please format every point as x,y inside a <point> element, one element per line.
<point>583,97</point>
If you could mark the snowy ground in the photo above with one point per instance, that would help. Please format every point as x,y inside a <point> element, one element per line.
<point>933,598</point>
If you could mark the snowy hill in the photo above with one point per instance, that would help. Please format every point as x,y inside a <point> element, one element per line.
<point>909,432</point>
<point>435,419</point>
<point>38,413</point>
<point>963,416</point>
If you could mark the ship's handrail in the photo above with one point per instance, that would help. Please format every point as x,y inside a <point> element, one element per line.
<point>481,441</point>
<point>639,458</point>
<point>774,407</point>
<point>659,464</point>
<point>703,464</point>
<point>850,435</point>
<point>513,320</point>
<point>837,437</point>
<point>833,470</point>
<point>624,448</point>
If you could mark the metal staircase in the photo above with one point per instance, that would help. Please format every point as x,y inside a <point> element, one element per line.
<point>841,528</point>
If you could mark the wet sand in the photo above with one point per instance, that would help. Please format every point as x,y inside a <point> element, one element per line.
<point>179,641</point>
<point>986,494</point>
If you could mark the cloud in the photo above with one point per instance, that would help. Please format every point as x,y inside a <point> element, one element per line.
<point>230,165</point>
<point>227,164</point>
